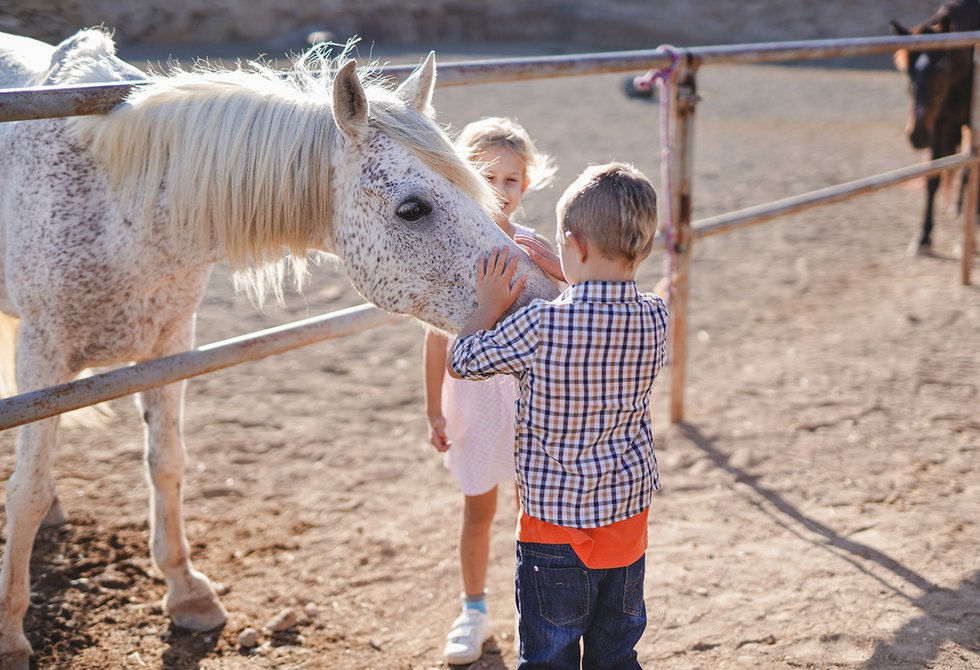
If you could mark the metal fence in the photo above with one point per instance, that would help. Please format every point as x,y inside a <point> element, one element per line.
<point>61,101</point>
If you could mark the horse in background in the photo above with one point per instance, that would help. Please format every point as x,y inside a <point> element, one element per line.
<point>109,227</point>
<point>941,86</point>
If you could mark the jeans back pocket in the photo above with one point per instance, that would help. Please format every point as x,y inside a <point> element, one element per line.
<point>563,593</point>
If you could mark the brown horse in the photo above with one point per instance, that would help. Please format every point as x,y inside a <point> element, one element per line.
<point>940,85</point>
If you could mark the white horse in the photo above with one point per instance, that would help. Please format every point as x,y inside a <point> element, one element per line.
<point>109,226</point>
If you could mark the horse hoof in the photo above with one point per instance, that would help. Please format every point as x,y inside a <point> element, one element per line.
<point>15,661</point>
<point>16,655</point>
<point>917,248</point>
<point>201,613</point>
<point>55,517</point>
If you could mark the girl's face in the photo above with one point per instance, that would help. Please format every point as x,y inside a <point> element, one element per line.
<point>505,172</point>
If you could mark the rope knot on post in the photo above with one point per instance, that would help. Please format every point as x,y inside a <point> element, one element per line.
<point>645,82</point>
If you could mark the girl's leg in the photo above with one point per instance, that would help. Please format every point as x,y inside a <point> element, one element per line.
<point>471,629</point>
<point>474,540</point>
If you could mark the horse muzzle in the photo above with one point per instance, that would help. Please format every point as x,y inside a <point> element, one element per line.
<point>919,136</point>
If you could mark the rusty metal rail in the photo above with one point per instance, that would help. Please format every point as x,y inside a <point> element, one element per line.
<point>730,221</point>
<point>47,402</point>
<point>58,101</point>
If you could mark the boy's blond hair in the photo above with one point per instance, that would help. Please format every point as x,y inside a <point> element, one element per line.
<point>615,207</point>
<point>495,132</point>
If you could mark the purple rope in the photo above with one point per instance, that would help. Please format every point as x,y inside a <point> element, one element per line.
<point>665,79</point>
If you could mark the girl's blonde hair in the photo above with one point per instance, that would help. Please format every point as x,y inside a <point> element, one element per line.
<point>494,132</point>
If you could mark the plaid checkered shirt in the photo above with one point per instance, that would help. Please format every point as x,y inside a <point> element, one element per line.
<point>586,363</point>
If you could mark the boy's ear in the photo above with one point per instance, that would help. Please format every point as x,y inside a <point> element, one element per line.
<point>579,243</point>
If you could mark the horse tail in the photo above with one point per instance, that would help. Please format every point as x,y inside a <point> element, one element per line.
<point>94,416</point>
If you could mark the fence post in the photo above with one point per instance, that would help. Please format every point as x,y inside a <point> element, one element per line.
<point>682,123</point>
<point>973,185</point>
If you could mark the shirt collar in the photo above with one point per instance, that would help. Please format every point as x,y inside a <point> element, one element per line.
<point>602,291</point>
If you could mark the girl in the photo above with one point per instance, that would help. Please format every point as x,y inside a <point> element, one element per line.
<point>473,422</point>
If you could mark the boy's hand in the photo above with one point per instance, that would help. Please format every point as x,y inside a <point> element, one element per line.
<point>437,434</point>
<point>494,293</point>
<point>494,274</point>
<point>545,258</point>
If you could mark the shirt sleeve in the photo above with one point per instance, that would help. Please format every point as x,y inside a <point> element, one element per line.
<point>506,349</point>
<point>658,309</point>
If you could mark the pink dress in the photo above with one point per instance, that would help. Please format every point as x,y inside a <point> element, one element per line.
<point>480,423</point>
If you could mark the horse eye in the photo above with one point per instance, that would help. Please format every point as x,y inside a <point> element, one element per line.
<point>412,210</point>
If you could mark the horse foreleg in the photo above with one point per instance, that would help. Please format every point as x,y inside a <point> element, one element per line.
<point>30,493</point>
<point>924,243</point>
<point>56,515</point>
<point>190,601</point>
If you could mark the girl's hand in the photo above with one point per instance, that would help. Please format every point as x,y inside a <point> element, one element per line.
<point>543,257</point>
<point>495,291</point>
<point>437,434</point>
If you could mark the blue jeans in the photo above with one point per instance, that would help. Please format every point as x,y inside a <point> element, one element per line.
<point>560,602</point>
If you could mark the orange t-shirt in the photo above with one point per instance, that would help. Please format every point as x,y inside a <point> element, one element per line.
<point>614,546</point>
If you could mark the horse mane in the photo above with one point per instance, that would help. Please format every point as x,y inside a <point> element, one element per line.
<point>243,159</point>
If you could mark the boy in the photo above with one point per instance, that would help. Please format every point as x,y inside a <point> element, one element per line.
<point>586,470</point>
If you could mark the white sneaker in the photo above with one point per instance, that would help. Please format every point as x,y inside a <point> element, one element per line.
<point>464,644</point>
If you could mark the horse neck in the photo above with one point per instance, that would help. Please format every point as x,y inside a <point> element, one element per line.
<point>960,92</point>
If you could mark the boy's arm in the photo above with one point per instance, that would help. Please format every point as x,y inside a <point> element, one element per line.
<point>658,310</point>
<point>482,318</point>
<point>434,365</point>
<point>477,353</point>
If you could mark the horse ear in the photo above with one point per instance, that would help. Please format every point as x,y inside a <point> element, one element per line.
<point>417,89</point>
<point>901,60</point>
<point>899,29</point>
<point>350,105</point>
<point>901,57</point>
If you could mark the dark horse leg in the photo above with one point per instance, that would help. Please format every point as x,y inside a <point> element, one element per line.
<point>945,141</point>
<point>924,243</point>
<point>964,183</point>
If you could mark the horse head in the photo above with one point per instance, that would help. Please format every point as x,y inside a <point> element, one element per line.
<point>936,77</point>
<point>410,215</point>
<point>254,161</point>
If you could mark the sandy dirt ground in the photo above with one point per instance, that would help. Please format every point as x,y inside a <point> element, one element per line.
<point>820,502</point>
